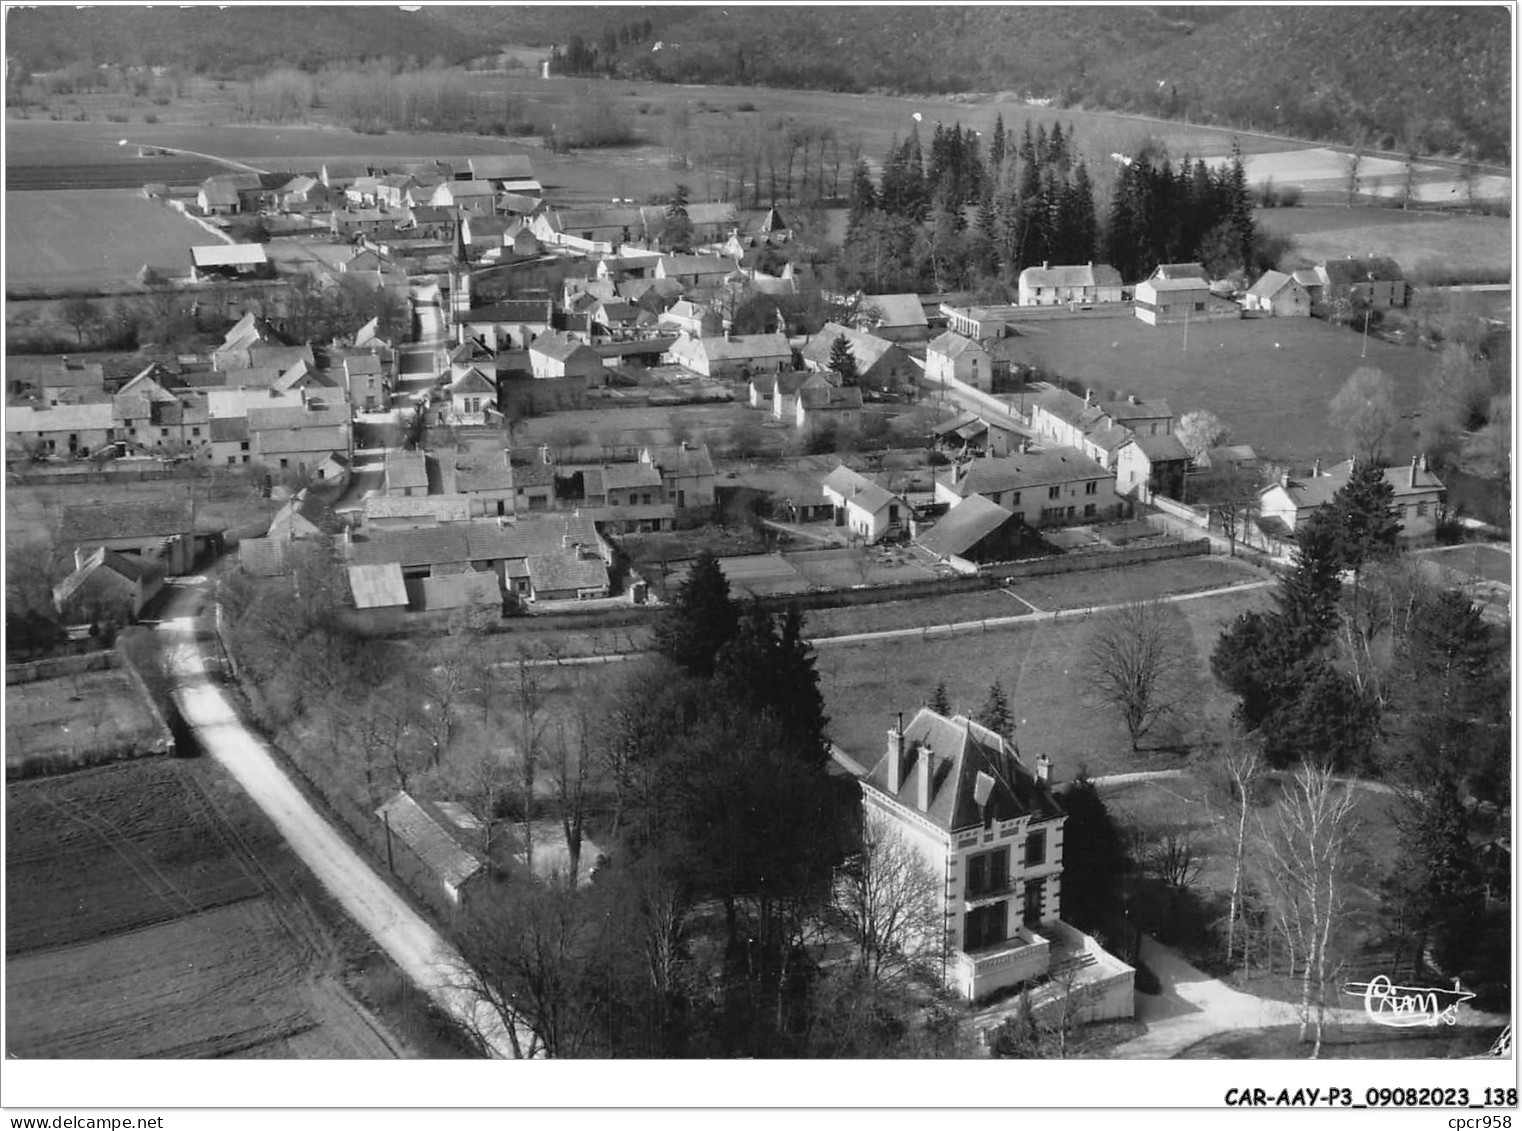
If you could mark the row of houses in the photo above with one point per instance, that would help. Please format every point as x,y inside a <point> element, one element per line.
<point>255,400</point>
<point>365,185</point>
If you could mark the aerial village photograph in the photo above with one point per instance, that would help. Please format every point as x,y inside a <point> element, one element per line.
<point>760,533</point>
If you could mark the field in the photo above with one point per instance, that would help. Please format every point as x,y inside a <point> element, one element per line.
<point>1482,573</point>
<point>1324,171</point>
<point>1270,380</point>
<point>1418,241</point>
<point>1038,664</point>
<point>140,924</point>
<point>82,238</point>
<point>64,719</point>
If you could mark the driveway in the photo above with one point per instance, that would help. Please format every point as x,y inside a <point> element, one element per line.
<point>421,952</point>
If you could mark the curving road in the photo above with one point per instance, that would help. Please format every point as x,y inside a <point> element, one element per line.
<point>421,952</point>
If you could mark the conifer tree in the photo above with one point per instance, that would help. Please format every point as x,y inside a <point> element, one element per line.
<point>843,361</point>
<point>700,620</point>
<point>995,713</point>
<point>939,703</point>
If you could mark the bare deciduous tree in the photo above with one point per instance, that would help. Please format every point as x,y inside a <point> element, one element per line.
<point>1199,431</point>
<point>1135,661</point>
<point>1303,852</point>
<point>1364,409</point>
<point>1243,765</point>
<point>888,897</point>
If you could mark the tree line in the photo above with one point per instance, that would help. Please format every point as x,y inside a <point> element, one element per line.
<point>961,220</point>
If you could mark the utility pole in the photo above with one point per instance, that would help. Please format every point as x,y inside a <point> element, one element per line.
<point>1366,313</point>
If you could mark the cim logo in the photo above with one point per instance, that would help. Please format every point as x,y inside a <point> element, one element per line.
<point>1406,1007</point>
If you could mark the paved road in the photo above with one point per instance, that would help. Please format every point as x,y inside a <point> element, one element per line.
<point>423,955</point>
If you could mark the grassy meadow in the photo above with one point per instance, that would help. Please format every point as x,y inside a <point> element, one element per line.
<point>1269,379</point>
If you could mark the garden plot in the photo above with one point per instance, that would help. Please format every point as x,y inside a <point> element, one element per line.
<point>71,718</point>
<point>762,575</point>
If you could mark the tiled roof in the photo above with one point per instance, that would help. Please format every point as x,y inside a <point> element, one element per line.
<point>561,347</point>
<point>566,569</point>
<point>440,508</point>
<point>617,476</point>
<point>675,265</point>
<point>429,838</point>
<point>956,752</point>
<point>1181,271</point>
<point>1348,272</point>
<point>226,428</point>
<point>682,461</point>
<point>899,310</point>
<point>1166,448</point>
<point>952,344</point>
<point>965,525</point>
<point>405,470</point>
<point>59,418</point>
<point>427,545</point>
<point>309,415</point>
<point>228,255</point>
<point>1186,283</point>
<point>104,522</point>
<point>854,487</point>
<point>501,167</point>
<point>1029,469</point>
<point>826,397</point>
<point>462,590</point>
<point>748,347</point>
<point>312,440</point>
<point>476,474</point>
<point>126,566</point>
<point>513,310</point>
<point>867,349</point>
<point>472,381</point>
<point>1270,284</point>
<point>264,557</point>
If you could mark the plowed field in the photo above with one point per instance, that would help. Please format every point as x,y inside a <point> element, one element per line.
<point>139,924</point>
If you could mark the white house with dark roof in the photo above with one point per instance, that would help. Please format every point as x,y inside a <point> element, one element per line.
<point>472,397</point>
<point>827,406</point>
<point>553,354</point>
<point>987,824</point>
<point>868,509</point>
<point>567,575</point>
<point>1097,428</point>
<point>1081,284</point>
<point>687,474</point>
<point>1418,502</point>
<point>1151,465</point>
<point>736,356</point>
<point>1043,488</point>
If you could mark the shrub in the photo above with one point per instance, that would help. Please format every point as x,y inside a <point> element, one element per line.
<point>1146,981</point>
<point>745,107</point>
<point>150,119</point>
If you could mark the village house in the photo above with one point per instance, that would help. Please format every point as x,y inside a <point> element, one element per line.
<point>532,485</point>
<point>974,532</point>
<point>1418,502</point>
<point>1097,428</point>
<point>1278,294</point>
<point>591,231</point>
<point>229,441</point>
<point>1047,488</point>
<point>988,824</point>
<point>1163,301</point>
<point>733,356</point>
<point>476,198</point>
<point>393,512</point>
<point>979,322</point>
<point>567,575</point>
<point>687,474</point>
<point>376,223</point>
<point>827,406</point>
<point>161,532</point>
<point>59,429</point>
<point>51,380</point>
<point>777,393</point>
<point>696,320</point>
<point>486,482</point>
<point>896,318</point>
<point>553,355</point>
<point>299,439</point>
<point>365,382</point>
<point>1151,465</point>
<point>695,270</point>
<point>228,193</point>
<point>868,510</point>
<point>340,175</point>
<point>472,398</point>
<point>302,194</point>
<point>978,364</point>
<point>106,586</point>
<point>1376,281</point>
<point>880,364</point>
<point>509,325</point>
<point>1070,286</point>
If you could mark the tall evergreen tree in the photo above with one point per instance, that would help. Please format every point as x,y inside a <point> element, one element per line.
<point>700,620</point>
<point>995,713</point>
<point>863,194</point>
<point>1363,516</point>
<point>996,147</point>
<point>1308,595</point>
<point>939,702</point>
<point>843,361</point>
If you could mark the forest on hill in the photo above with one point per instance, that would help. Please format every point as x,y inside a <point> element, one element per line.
<point>1432,79</point>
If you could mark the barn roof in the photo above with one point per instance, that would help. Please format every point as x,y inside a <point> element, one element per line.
<point>104,522</point>
<point>965,525</point>
<point>430,839</point>
<point>377,586</point>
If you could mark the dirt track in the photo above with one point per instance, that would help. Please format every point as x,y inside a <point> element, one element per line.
<point>421,952</point>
